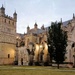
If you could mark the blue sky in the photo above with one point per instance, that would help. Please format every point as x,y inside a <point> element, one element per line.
<point>40,11</point>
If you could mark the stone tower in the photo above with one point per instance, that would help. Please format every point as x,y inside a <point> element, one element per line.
<point>28,28</point>
<point>7,37</point>
<point>2,11</point>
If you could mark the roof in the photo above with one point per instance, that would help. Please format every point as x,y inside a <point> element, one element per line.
<point>36,31</point>
<point>66,22</point>
<point>21,35</point>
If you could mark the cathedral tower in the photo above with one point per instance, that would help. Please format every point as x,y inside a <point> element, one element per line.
<point>2,11</point>
<point>7,37</point>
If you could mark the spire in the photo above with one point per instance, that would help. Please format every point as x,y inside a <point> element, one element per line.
<point>28,28</point>
<point>15,13</point>
<point>2,11</point>
<point>61,20</point>
<point>15,16</point>
<point>35,25</point>
<point>2,8</point>
<point>2,5</point>
<point>42,27</point>
<point>73,16</point>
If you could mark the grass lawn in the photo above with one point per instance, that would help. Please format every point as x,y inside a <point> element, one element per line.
<point>35,70</point>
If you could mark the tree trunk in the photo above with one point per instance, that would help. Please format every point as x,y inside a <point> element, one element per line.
<point>50,61</point>
<point>58,65</point>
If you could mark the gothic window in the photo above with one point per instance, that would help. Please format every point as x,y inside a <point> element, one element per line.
<point>27,41</point>
<point>8,55</point>
<point>9,22</point>
<point>17,44</point>
<point>13,23</point>
<point>21,61</point>
<point>5,20</point>
<point>73,45</point>
<point>8,30</point>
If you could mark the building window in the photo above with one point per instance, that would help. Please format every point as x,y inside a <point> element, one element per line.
<point>28,41</point>
<point>9,22</point>
<point>8,30</point>
<point>13,23</point>
<point>21,61</point>
<point>8,55</point>
<point>5,20</point>
<point>17,44</point>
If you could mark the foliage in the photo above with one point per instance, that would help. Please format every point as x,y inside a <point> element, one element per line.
<point>57,38</point>
<point>50,44</point>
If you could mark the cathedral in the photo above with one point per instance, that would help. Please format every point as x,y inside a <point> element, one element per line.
<point>35,42</point>
<point>24,49</point>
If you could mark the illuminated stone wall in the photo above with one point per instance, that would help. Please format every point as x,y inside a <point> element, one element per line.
<point>7,37</point>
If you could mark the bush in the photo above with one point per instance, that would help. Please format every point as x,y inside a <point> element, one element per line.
<point>30,63</point>
<point>46,64</point>
<point>37,64</point>
<point>15,62</point>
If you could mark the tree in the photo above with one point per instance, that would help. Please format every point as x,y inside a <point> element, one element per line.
<point>50,44</point>
<point>57,38</point>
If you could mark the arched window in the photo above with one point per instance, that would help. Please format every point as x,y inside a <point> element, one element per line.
<point>9,22</point>
<point>73,45</point>
<point>5,20</point>
<point>8,55</point>
<point>17,44</point>
<point>12,23</point>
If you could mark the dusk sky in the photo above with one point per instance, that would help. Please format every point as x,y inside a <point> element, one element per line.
<point>40,11</point>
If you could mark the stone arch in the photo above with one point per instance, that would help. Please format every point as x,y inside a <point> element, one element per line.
<point>73,44</point>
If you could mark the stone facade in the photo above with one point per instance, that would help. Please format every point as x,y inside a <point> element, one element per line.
<point>7,37</point>
<point>69,26</point>
<point>23,56</point>
<point>36,41</point>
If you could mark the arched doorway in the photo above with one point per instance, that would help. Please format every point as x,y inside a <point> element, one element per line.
<point>21,61</point>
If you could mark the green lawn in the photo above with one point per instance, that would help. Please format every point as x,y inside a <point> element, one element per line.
<point>33,70</point>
